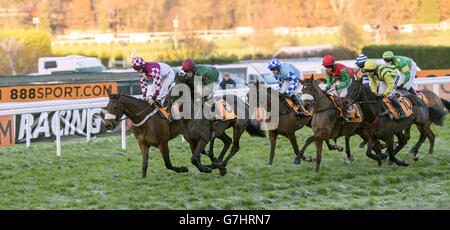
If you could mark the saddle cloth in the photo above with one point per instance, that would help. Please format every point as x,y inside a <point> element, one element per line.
<point>163,112</point>
<point>223,110</point>
<point>406,107</point>
<point>298,107</point>
<point>353,112</point>
<point>422,96</point>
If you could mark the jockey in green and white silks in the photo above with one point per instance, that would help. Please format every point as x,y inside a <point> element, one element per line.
<point>407,69</point>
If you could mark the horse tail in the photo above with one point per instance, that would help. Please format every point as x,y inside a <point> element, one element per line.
<point>437,116</point>
<point>254,129</point>
<point>446,103</point>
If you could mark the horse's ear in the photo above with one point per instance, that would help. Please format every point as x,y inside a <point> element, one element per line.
<point>312,77</point>
<point>108,91</point>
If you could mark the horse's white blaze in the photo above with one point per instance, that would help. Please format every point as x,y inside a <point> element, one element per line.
<point>307,97</point>
<point>109,116</point>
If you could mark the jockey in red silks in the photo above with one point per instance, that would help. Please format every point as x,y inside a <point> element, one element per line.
<point>338,76</point>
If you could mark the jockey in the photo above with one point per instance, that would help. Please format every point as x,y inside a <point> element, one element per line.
<point>208,75</point>
<point>407,70</point>
<point>386,74</point>
<point>338,76</point>
<point>288,77</point>
<point>360,61</point>
<point>161,74</point>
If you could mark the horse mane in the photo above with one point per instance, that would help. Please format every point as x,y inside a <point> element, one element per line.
<point>136,100</point>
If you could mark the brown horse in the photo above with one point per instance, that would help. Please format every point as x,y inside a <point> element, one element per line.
<point>199,131</point>
<point>381,127</point>
<point>288,123</point>
<point>326,123</point>
<point>149,128</point>
<point>432,101</point>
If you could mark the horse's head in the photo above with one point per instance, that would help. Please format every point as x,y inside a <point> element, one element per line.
<point>114,110</point>
<point>353,91</point>
<point>309,90</point>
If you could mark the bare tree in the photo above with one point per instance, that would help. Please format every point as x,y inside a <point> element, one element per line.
<point>13,49</point>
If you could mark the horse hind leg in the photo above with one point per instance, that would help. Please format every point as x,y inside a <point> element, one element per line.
<point>196,148</point>
<point>164,149</point>
<point>237,132</point>
<point>431,138</point>
<point>226,145</point>
<point>390,149</point>
<point>273,144</point>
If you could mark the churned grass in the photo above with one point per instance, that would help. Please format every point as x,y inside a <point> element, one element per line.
<point>100,175</point>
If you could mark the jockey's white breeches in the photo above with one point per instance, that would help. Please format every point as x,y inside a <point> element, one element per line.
<point>165,84</point>
<point>401,76</point>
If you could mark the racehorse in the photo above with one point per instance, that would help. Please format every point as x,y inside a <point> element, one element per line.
<point>326,123</point>
<point>199,132</point>
<point>381,127</point>
<point>149,128</point>
<point>432,101</point>
<point>288,124</point>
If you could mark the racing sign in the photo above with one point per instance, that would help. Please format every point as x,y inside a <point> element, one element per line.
<point>56,91</point>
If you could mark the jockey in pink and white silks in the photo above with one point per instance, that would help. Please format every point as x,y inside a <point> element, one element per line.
<point>161,74</point>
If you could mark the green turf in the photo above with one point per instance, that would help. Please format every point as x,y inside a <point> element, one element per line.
<point>100,175</point>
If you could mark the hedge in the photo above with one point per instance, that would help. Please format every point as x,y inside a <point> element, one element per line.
<point>426,57</point>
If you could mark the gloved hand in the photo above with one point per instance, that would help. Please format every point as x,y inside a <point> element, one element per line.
<point>284,95</point>
<point>401,86</point>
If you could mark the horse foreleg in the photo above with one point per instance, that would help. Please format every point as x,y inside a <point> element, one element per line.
<point>164,149</point>
<point>144,150</point>
<point>273,143</point>
<point>347,149</point>
<point>302,151</point>
<point>337,146</point>
<point>318,143</point>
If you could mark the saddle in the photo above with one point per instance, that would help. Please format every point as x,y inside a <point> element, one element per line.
<point>296,108</point>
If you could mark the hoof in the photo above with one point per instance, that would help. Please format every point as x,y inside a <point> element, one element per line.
<point>223,171</point>
<point>351,158</point>
<point>184,169</point>
<point>405,163</point>
<point>340,149</point>
<point>297,161</point>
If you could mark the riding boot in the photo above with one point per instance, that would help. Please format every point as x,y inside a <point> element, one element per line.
<point>412,91</point>
<point>396,103</point>
<point>296,102</point>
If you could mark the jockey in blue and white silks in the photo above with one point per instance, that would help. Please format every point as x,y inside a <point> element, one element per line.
<point>288,77</point>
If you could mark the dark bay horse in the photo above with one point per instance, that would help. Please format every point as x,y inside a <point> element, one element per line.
<point>199,131</point>
<point>381,127</point>
<point>149,128</point>
<point>436,102</point>
<point>326,123</point>
<point>288,123</point>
